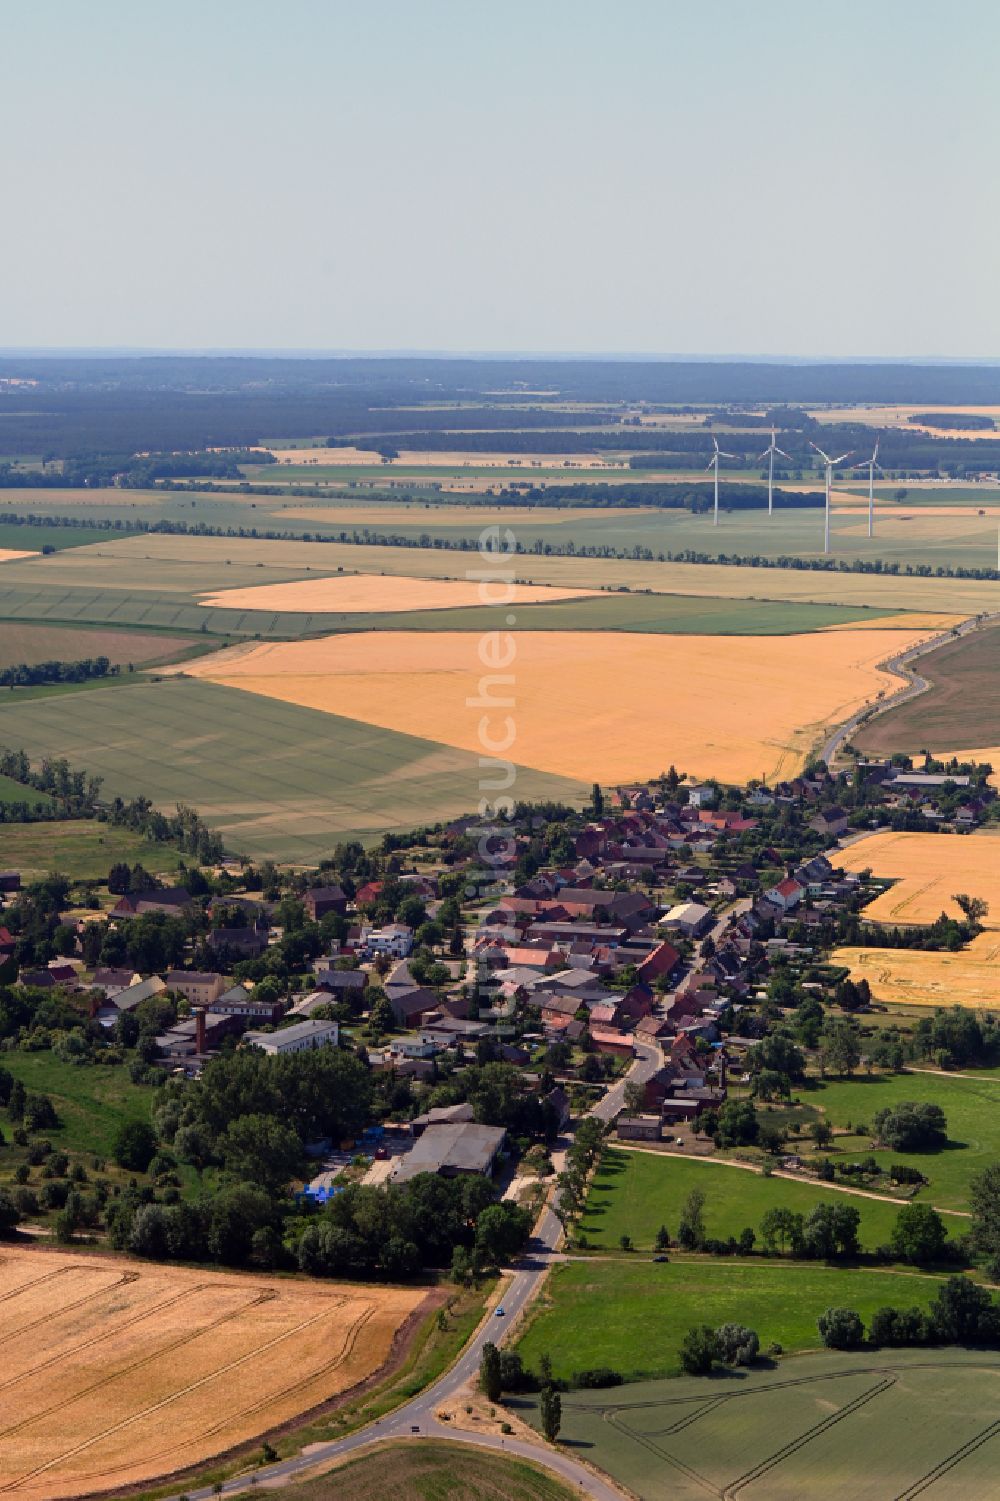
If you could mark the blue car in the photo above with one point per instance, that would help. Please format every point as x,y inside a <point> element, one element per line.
<point>500,1313</point>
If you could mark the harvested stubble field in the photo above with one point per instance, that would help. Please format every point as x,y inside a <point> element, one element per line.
<point>116,1373</point>
<point>354,594</point>
<point>612,706</point>
<point>911,977</point>
<point>865,1426</point>
<point>928,869</point>
<point>20,642</point>
<point>9,554</point>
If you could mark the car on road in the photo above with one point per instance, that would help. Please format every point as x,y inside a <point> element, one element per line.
<point>500,1312</point>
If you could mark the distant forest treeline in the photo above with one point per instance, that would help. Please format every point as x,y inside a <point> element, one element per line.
<point>117,404</point>
<point>129,472</point>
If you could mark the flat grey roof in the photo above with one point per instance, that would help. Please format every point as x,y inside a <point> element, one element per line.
<point>459,1148</point>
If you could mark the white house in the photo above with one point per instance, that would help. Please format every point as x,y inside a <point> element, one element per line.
<point>296,1039</point>
<point>395,938</point>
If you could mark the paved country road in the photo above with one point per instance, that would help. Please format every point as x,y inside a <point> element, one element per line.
<point>418,1418</point>
<point>915,684</point>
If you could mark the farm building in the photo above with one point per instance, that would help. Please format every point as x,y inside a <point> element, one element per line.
<point>689,918</point>
<point>451,1150</point>
<point>639,1128</point>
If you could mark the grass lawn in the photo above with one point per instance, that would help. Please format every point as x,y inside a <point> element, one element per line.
<point>633,1315</point>
<point>16,792</point>
<point>83,849</point>
<point>637,1192</point>
<point>91,1101</point>
<point>434,1471</point>
<point>972,1111</point>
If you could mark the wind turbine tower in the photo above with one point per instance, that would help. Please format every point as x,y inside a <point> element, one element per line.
<point>769,453</point>
<point>829,480</point>
<point>871,465</point>
<point>714,464</point>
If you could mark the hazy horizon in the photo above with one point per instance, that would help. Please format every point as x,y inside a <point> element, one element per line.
<point>516,180</point>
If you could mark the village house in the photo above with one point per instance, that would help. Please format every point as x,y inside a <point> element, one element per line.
<point>241,1003</point>
<point>172,900</point>
<point>319,900</point>
<point>786,895</point>
<point>241,943</point>
<point>201,989</point>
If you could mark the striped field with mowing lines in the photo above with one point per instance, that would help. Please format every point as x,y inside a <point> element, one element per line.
<point>275,779</point>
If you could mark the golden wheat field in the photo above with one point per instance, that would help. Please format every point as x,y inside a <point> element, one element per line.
<point>988,755</point>
<point>585,704</point>
<point>908,977</point>
<point>928,869</point>
<point>113,1373</point>
<point>356,594</point>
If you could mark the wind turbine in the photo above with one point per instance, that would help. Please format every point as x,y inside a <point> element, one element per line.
<point>714,464</point>
<point>829,479</point>
<point>871,465</point>
<point>769,453</point>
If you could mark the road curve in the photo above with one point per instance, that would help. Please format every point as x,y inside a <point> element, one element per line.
<point>914,683</point>
<point>418,1418</point>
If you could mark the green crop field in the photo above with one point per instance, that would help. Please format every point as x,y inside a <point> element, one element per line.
<point>433,1471</point>
<point>659,614</point>
<point>274,778</point>
<point>192,566</point>
<point>156,584</point>
<point>34,538</point>
<point>865,1426</point>
<point>634,1193</point>
<point>632,1315</point>
<point>972,1111</point>
<point>960,711</point>
<point>83,849</point>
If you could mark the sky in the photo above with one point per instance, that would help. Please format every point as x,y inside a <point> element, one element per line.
<point>649,176</point>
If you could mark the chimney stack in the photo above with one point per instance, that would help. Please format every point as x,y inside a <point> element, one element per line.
<point>199,1031</point>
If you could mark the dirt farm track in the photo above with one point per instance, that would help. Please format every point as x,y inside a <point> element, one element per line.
<point>113,1372</point>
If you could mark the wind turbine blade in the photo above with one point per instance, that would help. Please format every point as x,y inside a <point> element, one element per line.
<point>716,442</point>
<point>843,456</point>
<point>825,456</point>
<point>765,454</point>
<point>784,455</point>
<point>724,455</point>
<point>709,465</point>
